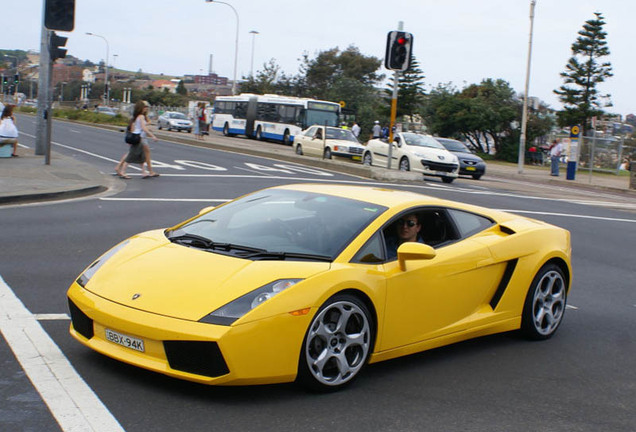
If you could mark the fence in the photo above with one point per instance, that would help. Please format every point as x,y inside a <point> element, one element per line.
<point>601,154</point>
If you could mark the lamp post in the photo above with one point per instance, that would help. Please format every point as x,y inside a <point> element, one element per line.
<point>524,115</point>
<point>235,43</point>
<point>106,85</point>
<point>253,33</point>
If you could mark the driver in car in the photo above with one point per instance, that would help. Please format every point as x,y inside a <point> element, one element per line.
<point>406,229</point>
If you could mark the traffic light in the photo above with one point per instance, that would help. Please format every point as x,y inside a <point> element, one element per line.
<point>398,50</point>
<point>55,42</point>
<point>16,79</point>
<point>59,15</point>
<point>5,80</point>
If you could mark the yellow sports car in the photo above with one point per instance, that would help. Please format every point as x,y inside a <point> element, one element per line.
<point>311,282</point>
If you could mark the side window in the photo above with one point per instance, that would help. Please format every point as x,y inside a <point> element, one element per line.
<point>372,252</point>
<point>469,223</point>
<point>310,132</point>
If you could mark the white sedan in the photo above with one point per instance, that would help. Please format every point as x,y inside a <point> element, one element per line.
<point>174,120</point>
<point>336,142</point>
<point>413,152</point>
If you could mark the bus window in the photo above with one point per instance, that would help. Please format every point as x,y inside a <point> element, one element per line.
<point>241,110</point>
<point>321,117</point>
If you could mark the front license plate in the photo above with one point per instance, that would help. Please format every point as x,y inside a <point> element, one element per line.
<point>470,168</point>
<point>356,157</point>
<point>125,340</point>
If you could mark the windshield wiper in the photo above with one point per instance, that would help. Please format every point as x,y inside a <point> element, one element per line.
<point>267,255</point>
<point>205,243</point>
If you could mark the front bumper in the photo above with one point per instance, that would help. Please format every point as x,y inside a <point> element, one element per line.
<point>258,352</point>
<point>439,169</point>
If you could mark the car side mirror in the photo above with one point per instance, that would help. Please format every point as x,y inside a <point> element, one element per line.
<point>205,209</point>
<point>413,251</point>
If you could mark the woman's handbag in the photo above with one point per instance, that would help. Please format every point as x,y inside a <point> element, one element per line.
<point>132,138</point>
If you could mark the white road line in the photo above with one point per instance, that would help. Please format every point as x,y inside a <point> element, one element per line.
<point>71,401</point>
<point>569,215</point>
<point>571,307</point>
<point>51,317</point>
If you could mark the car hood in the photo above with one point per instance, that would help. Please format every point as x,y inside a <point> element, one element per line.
<point>183,282</point>
<point>467,156</point>
<point>433,154</point>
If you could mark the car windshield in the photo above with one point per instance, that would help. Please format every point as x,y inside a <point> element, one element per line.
<point>418,140</point>
<point>453,145</point>
<point>178,116</point>
<point>280,224</point>
<point>341,134</point>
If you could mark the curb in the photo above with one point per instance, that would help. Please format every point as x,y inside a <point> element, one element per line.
<point>52,196</point>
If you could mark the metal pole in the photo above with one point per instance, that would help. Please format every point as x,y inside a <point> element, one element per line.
<point>42,126</point>
<point>236,43</point>
<point>253,33</point>
<point>396,78</point>
<point>524,116</point>
<point>106,86</point>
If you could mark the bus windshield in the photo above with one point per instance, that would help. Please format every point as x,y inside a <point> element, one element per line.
<point>312,117</point>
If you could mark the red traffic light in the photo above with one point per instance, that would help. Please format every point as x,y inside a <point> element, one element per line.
<point>401,41</point>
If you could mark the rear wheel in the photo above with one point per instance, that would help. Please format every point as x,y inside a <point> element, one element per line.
<point>404,164</point>
<point>299,150</point>
<point>367,159</point>
<point>259,134</point>
<point>545,303</point>
<point>337,344</point>
<point>476,176</point>
<point>448,179</point>
<point>327,153</point>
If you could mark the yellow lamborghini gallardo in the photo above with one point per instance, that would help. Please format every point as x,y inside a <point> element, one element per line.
<point>312,282</point>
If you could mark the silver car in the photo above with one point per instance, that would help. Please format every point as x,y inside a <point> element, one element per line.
<point>173,120</point>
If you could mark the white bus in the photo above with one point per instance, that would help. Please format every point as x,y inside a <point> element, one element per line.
<point>271,116</point>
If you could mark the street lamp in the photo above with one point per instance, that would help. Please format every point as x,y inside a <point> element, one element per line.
<point>107,86</point>
<point>253,33</point>
<point>235,43</point>
<point>524,115</point>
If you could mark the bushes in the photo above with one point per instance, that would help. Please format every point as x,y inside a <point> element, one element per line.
<point>90,117</point>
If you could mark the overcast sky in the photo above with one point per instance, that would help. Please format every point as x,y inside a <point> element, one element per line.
<point>458,41</point>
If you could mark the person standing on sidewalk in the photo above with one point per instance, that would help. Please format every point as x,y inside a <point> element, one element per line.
<point>8,129</point>
<point>556,149</point>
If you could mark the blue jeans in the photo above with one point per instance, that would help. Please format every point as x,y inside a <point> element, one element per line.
<point>554,165</point>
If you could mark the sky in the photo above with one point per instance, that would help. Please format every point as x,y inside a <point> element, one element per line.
<point>455,41</point>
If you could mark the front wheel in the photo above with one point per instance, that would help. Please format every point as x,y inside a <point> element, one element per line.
<point>476,176</point>
<point>287,137</point>
<point>226,130</point>
<point>337,344</point>
<point>327,153</point>
<point>545,303</point>
<point>448,179</point>
<point>404,164</point>
<point>259,134</point>
<point>367,159</point>
<point>299,150</point>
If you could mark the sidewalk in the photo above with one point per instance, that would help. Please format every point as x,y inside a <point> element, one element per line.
<point>27,179</point>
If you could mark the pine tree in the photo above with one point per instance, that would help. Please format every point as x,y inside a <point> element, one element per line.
<point>410,90</point>
<point>583,72</point>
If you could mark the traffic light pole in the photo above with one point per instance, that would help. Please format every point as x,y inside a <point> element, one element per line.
<point>43,119</point>
<point>396,78</point>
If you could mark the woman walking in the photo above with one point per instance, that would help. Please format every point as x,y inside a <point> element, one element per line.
<point>139,153</point>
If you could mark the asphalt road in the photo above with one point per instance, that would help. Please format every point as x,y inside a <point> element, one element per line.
<point>583,379</point>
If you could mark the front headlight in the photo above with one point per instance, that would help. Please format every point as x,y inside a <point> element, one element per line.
<point>226,315</point>
<point>90,271</point>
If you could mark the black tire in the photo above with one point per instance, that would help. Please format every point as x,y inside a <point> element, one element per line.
<point>338,347</point>
<point>545,303</point>
<point>226,130</point>
<point>448,179</point>
<point>189,130</point>
<point>476,176</point>
<point>287,137</point>
<point>327,153</point>
<point>404,164</point>
<point>168,128</point>
<point>299,150</point>
<point>259,134</point>
<point>367,159</point>
<point>159,125</point>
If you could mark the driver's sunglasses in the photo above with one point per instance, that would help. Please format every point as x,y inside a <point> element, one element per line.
<point>408,223</point>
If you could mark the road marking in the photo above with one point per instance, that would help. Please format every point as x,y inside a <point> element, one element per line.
<point>571,307</point>
<point>51,317</point>
<point>569,215</point>
<point>71,401</point>
<point>166,199</point>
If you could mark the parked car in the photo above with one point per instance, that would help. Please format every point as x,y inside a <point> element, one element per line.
<point>413,152</point>
<point>469,163</point>
<point>173,120</point>
<point>106,111</point>
<point>300,282</point>
<point>337,142</point>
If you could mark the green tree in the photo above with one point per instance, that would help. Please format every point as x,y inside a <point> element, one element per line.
<point>270,80</point>
<point>584,71</point>
<point>410,91</point>
<point>181,89</point>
